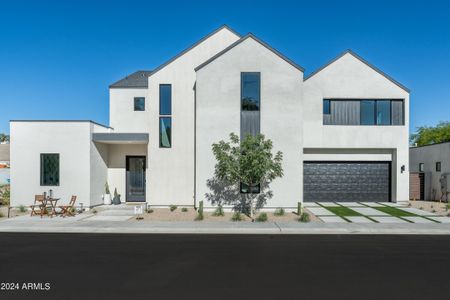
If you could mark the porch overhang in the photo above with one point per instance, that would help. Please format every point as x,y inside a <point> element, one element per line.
<point>120,138</point>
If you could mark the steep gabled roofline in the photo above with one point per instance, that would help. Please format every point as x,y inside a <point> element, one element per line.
<point>193,46</point>
<point>250,35</point>
<point>132,81</point>
<point>363,61</point>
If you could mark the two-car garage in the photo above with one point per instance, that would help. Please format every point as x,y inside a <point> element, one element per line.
<point>347,181</point>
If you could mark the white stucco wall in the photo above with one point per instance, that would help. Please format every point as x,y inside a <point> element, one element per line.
<point>218,114</point>
<point>98,166</point>
<point>349,78</point>
<point>70,139</point>
<point>170,179</point>
<point>122,116</point>
<point>429,155</point>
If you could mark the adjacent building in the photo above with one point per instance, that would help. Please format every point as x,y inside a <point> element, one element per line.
<point>343,130</point>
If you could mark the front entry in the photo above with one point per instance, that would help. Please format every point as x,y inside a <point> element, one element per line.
<point>135,179</point>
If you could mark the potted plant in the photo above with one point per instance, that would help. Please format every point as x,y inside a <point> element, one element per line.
<point>107,195</point>
<point>116,199</point>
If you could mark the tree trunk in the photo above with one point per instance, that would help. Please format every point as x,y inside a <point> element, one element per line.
<point>252,212</point>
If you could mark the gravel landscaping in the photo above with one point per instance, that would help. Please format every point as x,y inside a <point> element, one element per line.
<point>431,206</point>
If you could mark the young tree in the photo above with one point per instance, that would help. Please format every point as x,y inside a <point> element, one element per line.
<point>426,135</point>
<point>250,162</point>
<point>4,137</point>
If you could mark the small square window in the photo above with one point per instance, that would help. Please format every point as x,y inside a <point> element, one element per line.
<point>438,166</point>
<point>326,107</point>
<point>421,168</point>
<point>139,104</point>
<point>256,189</point>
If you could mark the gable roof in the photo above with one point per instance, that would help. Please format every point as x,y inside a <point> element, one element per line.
<point>363,61</point>
<point>195,45</point>
<point>138,79</point>
<point>250,35</point>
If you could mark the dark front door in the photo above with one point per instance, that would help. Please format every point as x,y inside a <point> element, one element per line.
<point>135,179</point>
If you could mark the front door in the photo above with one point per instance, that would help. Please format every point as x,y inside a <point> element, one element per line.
<point>135,179</point>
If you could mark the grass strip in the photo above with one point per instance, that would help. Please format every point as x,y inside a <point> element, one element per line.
<point>393,211</point>
<point>343,211</point>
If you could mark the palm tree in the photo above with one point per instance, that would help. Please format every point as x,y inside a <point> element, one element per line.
<point>4,137</point>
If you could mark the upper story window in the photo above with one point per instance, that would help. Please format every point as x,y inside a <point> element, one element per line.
<point>250,91</point>
<point>165,99</point>
<point>139,104</point>
<point>363,112</point>
<point>438,166</point>
<point>49,169</point>
<point>421,167</point>
<point>165,118</point>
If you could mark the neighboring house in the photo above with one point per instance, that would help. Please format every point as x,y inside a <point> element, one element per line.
<point>4,164</point>
<point>430,171</point>
<point>343,130</point>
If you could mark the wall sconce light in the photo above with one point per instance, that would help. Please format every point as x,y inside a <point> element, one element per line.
<point>402,168</point>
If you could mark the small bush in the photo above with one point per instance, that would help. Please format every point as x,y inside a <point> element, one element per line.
<point>236,217</point>
<point>22,208</point>
<point>184,209</point>
<point>5,194</point>
<point>304,218</point>
<point>173,207</point>
<point>94,211</point>
<point>219,212</point>
<point>199,216</point>
<point>421,207</point>
<point>448,206</point>
<point>279,211</point>
<point>149,210</point>
<point>262,217</point>
<point>1,215</point>
<point>448,215</point>
<point>433,210</point>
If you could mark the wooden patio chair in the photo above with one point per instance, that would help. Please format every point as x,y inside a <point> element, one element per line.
<point>38,207</point>
<point>68,210</point>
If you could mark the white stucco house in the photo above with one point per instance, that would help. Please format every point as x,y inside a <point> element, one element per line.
<point>343,130</point>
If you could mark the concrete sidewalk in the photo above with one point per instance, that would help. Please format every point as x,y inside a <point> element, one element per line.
<point>79,225</point>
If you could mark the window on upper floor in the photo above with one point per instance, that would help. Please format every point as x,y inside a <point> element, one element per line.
<point>363,112</point>
<point>438,166</point>
<point>139,104</point>
<point>49,169</point>
<point>421,167</point>
<point>165,99</point>
<point>165,116</point>
<point>250,91</point>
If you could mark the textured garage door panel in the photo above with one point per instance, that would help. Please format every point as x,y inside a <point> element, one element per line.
<point>346,181</point>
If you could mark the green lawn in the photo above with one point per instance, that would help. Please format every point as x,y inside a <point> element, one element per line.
<point>342,211</point>
<point>396,212</point>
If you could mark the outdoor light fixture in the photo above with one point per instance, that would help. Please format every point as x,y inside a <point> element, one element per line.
<point>402,168</point>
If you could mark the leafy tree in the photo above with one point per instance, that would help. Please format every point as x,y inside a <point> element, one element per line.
<point>250,162</point>
<point>4,137</point>
<point>426,135</point>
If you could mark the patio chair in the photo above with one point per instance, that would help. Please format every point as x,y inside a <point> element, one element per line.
<point>68,210</point>
<point>37,208</point>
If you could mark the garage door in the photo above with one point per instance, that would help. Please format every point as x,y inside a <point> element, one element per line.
<point>346,181</point>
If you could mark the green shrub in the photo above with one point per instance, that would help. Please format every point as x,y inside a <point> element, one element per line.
<point>219,212</point>
<point>149,210</point>
<point>184,209</point>
<point>22,208</point>
<point>173,207</point>
<point>279,211</point>
<point>236,217</point>
<point>448,206</point>
<point>262,217</point>
<point>94,211</point>
<point>304,218</point>
<point>200,212</point>
<point>5,194</point>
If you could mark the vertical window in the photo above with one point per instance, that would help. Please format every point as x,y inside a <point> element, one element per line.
<point>367,112</point>
<point>49,169</point>
<point>421,168</point>
<point>139,103</point>
<point>165,99</point>
<point>165,132</point>
<point>438,166</point>
<point>245,189</point>
<point>326,107</point>
<point>383,112</point>
<point>250,91</point>
<point>165,118</point>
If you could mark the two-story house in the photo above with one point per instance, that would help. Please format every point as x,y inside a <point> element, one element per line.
<point>343,130</point>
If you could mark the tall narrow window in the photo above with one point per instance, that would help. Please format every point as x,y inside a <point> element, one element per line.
<point>383,112</point>
<point>367,112</point>
<point>421,167</point>
<point>165,118</point>
<point>139,103</point>
<point>438,166</point>
<point>326,107</point>
<point>250,91</point>
<point>49,169</point>
<point>165,132</point>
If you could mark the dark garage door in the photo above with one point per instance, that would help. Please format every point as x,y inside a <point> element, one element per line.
<point>346,181</point>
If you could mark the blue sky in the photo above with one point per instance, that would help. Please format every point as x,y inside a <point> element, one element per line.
<point>57,58</point>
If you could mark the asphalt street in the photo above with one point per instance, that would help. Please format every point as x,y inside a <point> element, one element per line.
<point>157,266</point>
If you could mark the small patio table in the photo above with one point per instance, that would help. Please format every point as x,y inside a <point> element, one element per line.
<point>50,203</point>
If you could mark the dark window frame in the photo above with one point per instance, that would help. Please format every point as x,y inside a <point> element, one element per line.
<point>171,131</point>
<point>438,166</point>
<point>42,179</point>
<point>139,98</point>
<point>421,167</point>
<point>242,89</point>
